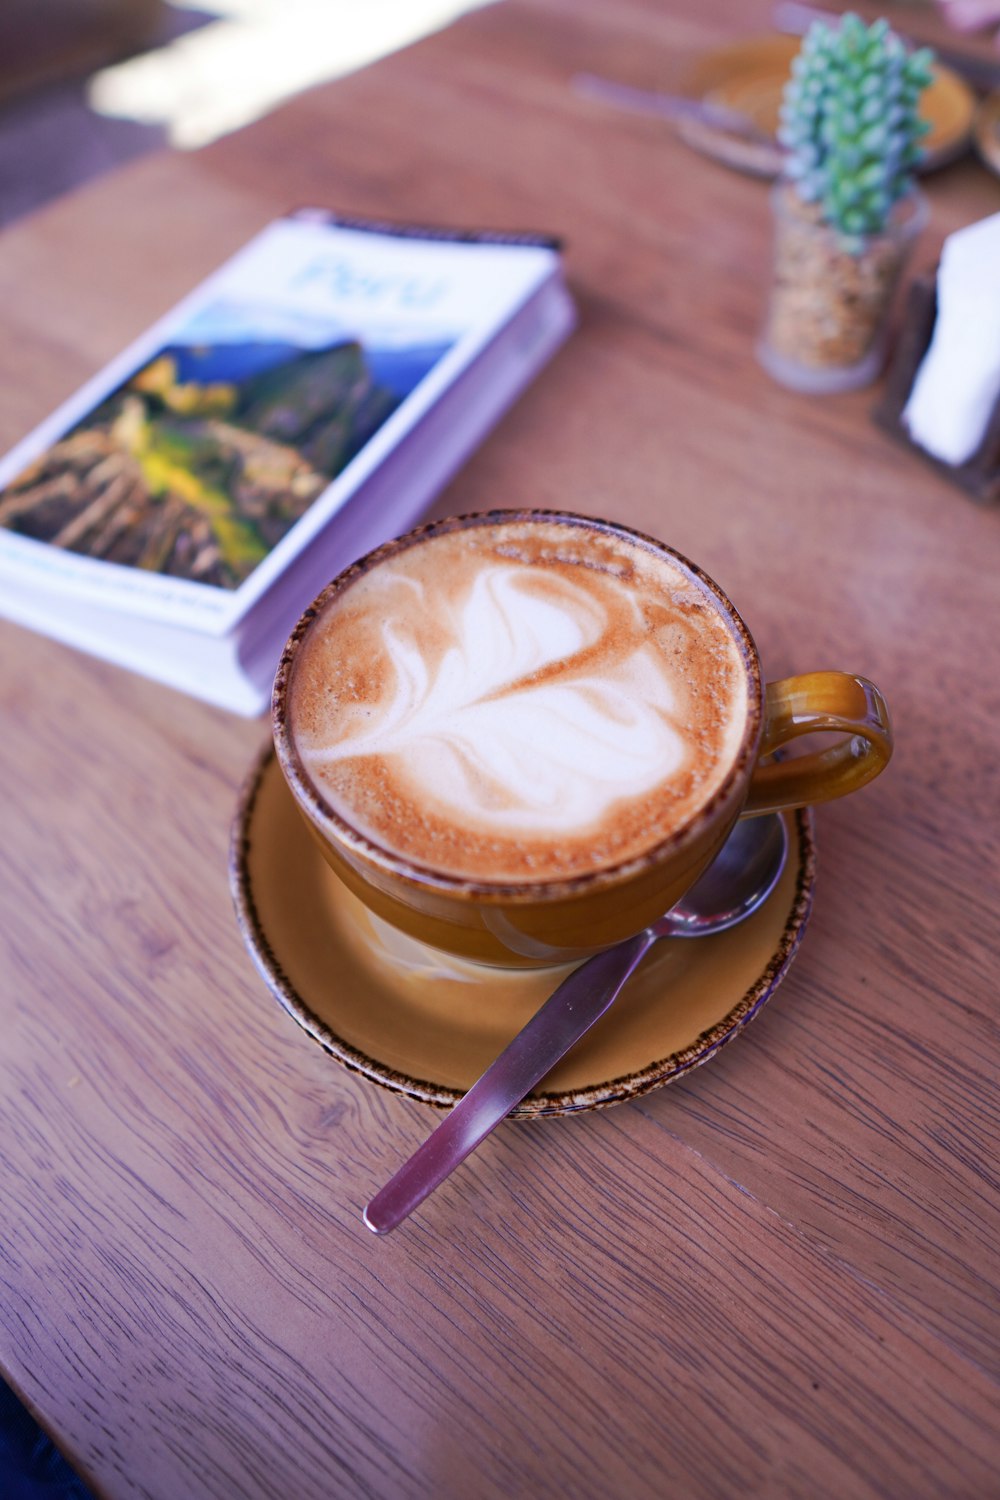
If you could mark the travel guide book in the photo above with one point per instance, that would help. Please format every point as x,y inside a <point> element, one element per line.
<point>303,404</point>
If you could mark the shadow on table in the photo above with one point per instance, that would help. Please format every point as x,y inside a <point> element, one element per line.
<point>31,1467</point>
<point>51,139</point>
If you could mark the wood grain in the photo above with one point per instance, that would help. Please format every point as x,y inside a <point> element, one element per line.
<point>778,1277</point>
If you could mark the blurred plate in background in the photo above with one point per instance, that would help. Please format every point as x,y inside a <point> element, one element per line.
<point>987,132</point>
<point>750,76</point>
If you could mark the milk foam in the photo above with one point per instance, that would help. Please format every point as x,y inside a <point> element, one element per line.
<point>492,714</point>
<point>505,750</point>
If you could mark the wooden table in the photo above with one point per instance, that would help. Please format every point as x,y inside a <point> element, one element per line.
<point>777,1277</point>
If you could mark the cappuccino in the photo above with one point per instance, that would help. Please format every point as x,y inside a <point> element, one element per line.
<point>520,699</point>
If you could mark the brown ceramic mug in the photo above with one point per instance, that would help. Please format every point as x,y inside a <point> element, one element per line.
<point>521,736</point>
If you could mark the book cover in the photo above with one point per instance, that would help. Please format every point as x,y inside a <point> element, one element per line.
<point>186,483</point>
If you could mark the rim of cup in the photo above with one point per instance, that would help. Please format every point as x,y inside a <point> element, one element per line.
<point>339,830</point>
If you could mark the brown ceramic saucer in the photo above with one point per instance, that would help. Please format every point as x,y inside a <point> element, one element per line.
<point>987,132</point>
<point>426,1025</point>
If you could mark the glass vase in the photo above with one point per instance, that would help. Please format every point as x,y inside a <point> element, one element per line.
<point>827,317</point>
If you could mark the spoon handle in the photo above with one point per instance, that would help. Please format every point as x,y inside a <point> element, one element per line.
<point>669,106</point>
<point>571,1010</point>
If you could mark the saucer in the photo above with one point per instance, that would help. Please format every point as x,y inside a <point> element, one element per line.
<point>425,1024</point>
<point>987,132</point>
<point>749,76</point>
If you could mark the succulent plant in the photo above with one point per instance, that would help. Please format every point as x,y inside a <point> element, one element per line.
<point>850,122</point>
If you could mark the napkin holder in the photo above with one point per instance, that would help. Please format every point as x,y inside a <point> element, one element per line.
<point>978,476</point>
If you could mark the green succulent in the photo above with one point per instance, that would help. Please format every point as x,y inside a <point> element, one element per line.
<point>850,122</point>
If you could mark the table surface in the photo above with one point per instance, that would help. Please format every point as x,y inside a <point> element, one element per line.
<point>777,1276</point>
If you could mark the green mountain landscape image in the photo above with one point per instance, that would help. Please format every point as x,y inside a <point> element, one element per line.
<point>185,472</point>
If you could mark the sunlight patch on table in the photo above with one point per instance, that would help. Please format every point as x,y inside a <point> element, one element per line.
<point>258,54</point>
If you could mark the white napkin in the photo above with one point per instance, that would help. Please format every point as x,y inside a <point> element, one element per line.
<point>958,382</point>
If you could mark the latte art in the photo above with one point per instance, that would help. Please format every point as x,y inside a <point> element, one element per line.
<point>512,701</point>
<point>490,731</point>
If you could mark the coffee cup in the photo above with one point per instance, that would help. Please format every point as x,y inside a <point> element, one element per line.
<point>520,736</point>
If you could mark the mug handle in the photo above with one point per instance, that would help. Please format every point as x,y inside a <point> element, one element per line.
<point>810,704</point>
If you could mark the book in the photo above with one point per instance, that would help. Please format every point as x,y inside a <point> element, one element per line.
<point>303,404</point>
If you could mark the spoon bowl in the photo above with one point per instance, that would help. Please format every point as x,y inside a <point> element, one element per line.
<point>740,878</point>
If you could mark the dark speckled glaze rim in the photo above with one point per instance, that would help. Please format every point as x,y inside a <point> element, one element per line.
<point>538,1105</point>
<point>539,892</point>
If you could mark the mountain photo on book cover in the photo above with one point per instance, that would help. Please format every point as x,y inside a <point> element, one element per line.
<point>201,461</point>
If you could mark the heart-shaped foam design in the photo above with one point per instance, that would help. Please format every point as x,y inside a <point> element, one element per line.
<point>547,705</point>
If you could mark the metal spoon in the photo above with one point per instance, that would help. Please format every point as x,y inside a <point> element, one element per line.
<point>738,881</point>
<point>669,106</point>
